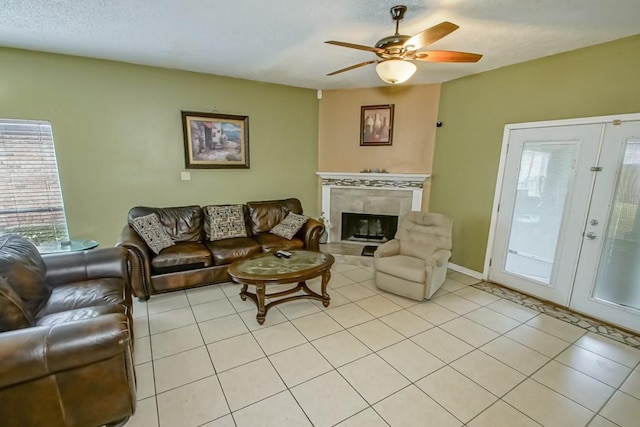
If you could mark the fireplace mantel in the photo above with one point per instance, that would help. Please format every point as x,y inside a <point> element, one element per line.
<point>373,193</point>
<point>376,180</point>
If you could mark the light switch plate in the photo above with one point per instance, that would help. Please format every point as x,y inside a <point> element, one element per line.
<point>185,176</point>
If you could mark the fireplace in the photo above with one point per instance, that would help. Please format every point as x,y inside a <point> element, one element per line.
<point>360,227</point>
<point>377,194</point>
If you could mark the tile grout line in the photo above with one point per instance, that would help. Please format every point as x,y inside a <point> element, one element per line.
<point>287,388</point>
<point>442,367</point>
<point>414,382</point>
<point>616,391</point>
<point>336,369</point>
<point>252,333</point>
<point>376,353</point>
<point>155,394</point>
<point>411,382</point>
<point>500,399</point>
<point>215,371</point>
<point>595,413</point>
<point>530,376</point>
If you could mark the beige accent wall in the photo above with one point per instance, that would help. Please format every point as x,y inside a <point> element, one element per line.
<point>595,81</point>
<point>415,116</point>
<point>118,136</point>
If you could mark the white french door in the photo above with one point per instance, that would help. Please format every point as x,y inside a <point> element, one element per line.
<point>607,283</point>
<point>567,227</point>
<point>545,194</point>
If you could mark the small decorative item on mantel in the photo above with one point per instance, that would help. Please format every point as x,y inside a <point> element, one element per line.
<point>374,170</point>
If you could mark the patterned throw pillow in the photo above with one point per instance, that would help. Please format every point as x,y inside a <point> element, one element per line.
<point>150,230</point>
<point>289,226</point>
<point>226,222</point>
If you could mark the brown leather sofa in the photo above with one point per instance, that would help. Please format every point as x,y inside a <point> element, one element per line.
<point>65,337</point>
<point>195,261</point>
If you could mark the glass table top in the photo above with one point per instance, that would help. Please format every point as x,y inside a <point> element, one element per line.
<point>67,246</point>
<point>270,265</point>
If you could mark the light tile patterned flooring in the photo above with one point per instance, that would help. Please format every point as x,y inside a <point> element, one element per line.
<point>466,357</point>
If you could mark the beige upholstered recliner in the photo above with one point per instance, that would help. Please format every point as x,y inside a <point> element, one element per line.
<point>414,263</point>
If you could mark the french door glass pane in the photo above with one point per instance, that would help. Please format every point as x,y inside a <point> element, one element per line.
<point>544,179</point>
<point>618,278</point>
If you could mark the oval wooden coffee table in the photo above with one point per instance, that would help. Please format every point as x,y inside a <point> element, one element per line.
<point>266,270</point>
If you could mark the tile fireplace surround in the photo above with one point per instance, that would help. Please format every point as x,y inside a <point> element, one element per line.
<point>369,193</point>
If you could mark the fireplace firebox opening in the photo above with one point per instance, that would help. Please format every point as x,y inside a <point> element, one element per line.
<point>358,227</point>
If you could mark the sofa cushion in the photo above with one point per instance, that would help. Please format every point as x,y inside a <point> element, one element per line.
<point>407,267</point>
<point>263,216</point>
<point>224,222</point>
<point>151,231</point>
<point>79,314</point>
<point>22,266</point>
<point>270,243</point>
<point>289,226</point>
<point>181,256</point>
<point>229,250</point>
<point>13,314</point>
<point>88,293</point>
<point>182,224</point>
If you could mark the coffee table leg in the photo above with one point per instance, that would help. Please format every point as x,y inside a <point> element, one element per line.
<point>260,288</point>
<point>243,293</point>
<point>326,276</point>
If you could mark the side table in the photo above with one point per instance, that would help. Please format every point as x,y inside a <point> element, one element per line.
<point>67,246</point>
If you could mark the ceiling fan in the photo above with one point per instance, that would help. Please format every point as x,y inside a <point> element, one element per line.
<point>396,51</point>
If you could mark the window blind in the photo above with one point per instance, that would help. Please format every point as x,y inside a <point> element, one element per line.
<point>30,195</point>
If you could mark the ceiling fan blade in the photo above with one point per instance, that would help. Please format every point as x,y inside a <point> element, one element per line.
<point>355,46</point>
<point>430,35</point>
<point>447,56</point>
<point>342,70</point>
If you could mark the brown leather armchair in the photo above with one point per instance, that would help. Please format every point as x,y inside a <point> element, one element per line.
<point>65,337</point>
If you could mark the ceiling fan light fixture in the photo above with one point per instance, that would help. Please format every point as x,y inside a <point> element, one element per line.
<point>395,71</point>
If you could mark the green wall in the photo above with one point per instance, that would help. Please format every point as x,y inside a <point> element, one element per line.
<point>595,81</point>
<point>118,136</point>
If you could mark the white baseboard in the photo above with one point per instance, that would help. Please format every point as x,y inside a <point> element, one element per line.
<point>465,270</point>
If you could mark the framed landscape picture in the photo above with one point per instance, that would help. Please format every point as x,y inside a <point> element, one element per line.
<point>215,141</point>
<point>376,124</point>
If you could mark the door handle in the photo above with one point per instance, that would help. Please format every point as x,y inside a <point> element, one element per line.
<point>590,235</point>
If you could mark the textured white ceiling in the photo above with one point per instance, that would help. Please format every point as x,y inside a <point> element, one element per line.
<point>281,41</point>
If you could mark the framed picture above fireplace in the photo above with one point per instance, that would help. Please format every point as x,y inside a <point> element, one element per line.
<point>376,124</point>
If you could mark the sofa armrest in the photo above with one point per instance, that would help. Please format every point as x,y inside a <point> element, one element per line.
<point>310,234</point>
<point>439,258</point>
<point>140,259</point>
<point>63,268</point>
<point>32,353</point>
<point>390,248</point>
